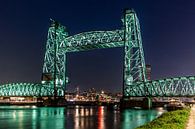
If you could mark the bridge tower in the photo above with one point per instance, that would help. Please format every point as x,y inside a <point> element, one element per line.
<point>129,37</point>
<point>135,84</point>
<point>134,63</point>
<point>54,67</point>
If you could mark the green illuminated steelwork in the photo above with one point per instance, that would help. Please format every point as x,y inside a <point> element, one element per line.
<point>170,87</point>
<point>134,63</point>
<point>94,40</point>
<point>128,37</point>
<point>134,80</point>
<point>27,89</point>
<point>56,36</point>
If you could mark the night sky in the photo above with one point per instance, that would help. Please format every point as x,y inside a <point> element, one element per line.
<point>167,26</point>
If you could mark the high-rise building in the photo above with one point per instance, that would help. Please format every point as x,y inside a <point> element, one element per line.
<point>148,72</point>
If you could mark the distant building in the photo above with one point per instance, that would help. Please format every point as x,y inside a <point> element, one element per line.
<point>77,91</point>
<point>148,72</point>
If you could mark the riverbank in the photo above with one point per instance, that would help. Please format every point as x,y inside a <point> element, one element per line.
<point>169,120</point>
<point>191,121</point>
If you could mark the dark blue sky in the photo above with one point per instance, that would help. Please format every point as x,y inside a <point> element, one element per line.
<point>168,32</point>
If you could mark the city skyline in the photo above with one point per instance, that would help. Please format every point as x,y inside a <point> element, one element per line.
<point>167,33</point>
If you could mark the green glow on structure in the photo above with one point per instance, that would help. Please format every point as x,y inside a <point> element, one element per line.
<point>128,37</point>
<point>134,79</point>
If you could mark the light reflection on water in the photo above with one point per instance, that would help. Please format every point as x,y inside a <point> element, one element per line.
<point>138,117</point>
<point>79,117</point>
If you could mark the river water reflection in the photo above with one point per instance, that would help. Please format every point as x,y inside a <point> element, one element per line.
<point>31,117</point>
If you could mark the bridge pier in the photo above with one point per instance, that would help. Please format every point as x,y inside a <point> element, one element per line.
<point>147,103</point>
<point>144,103</point>
<point>55,102</point>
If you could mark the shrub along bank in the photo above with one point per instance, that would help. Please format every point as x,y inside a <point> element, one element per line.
<point>169,120</point>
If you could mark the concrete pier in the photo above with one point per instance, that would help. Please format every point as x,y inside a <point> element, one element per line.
<point>145,103</point>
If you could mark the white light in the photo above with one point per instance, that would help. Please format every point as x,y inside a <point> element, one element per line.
<point>43,82</point>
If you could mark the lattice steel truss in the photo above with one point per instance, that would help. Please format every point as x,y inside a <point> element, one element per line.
<point>27,89</point>
<point>128,37</point>
<point>134,80</point>
<point>170,87</point>
<point>134,63</point>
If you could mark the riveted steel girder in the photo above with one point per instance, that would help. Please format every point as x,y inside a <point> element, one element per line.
<point>27,89</point>
<point>128,37</point>
<point>135,83</point>
<point>170,87</point>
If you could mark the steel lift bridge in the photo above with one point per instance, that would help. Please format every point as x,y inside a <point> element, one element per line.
<point>135,84</point>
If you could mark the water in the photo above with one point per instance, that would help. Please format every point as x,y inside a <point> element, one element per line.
<point>31,117</point>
